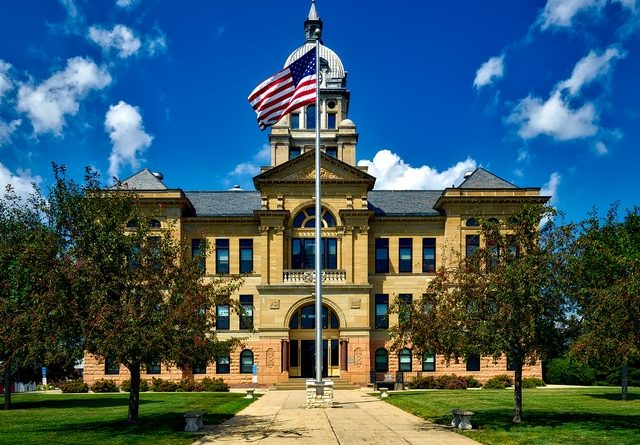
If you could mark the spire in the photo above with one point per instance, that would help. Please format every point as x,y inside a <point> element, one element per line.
<point>312,23</point>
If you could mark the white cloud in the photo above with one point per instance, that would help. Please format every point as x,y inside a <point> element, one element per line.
<point>490,71</point>
<point>523,155</point>
<point>561,13</point>
<point>551,188</point>
<point>156,45</point>
<point>590,68</point>
<point>6,83</point>
<point>247,170</point>
<point>120,39</point>
<point>21,183</point>
<point>554,118</point>
<point>601,148</point>
<point>47,104</point>
<point>126,131</point>
<point>126,3</point>
<point>7,129</point>
<point>392,173</point>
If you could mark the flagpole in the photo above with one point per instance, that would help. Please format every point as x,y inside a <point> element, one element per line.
<point>318,224</point>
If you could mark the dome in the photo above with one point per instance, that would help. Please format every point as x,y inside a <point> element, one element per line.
<point>347,123</point>
<point>335,67</point>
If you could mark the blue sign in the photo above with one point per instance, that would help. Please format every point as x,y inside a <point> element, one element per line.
<point>254,369</point>
<point>44,371</point>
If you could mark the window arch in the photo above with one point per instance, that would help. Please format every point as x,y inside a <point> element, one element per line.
<point>132,224</point>
<point>305,318</point>
<point>154,224</point>
<point>404,359</point>
<point>382,360</point>
<point>306,218</point>
<point>494,221</point>
<point>472,222</point>
<point>246,361</point>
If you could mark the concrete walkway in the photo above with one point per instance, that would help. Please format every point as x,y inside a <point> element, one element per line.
<point>279,417</point>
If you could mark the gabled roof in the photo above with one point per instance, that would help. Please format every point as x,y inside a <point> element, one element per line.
<point>404,202</point>
<point>144,180</point>
<point>228,203</point>
<point>483,179</point>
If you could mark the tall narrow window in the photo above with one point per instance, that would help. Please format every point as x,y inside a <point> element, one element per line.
<point>429,361</point>
<point>382,255</point>
<point>200,367</point>
<point>295,121</point>
<point>473,244</point>
<point>404,360</point>
<point>303,253</point>
<point>405,255</point>
<point>382,310</point>
<point>494,255</point>
<point>153,368</point>
<point>246,317</point>
<point>111,367</point>
<point>382,360</point>
<point>198,250</point>
<point>246,255</point>
<point>246,361</point>
<point>331,120</point>
<point>473,362</point>
<point>311,117</point>
<point>332,151</point>
<point>223,365</point>
<point>222,256</point>
<point>222,317</point>
<point>294,152</point>
<point>428,255</point>
<point>335,352</point>
<point>404,311</point>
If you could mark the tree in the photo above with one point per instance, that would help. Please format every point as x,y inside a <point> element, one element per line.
<point>604,281</point>
<point>502,300</point>
<point>144,302</point>
<point>38,324</point>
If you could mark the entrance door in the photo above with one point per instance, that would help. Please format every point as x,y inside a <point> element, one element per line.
<point>308,358</point>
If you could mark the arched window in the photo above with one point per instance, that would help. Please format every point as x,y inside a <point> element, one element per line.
<point>472,222</point>
<point>306,218</point>
<point>246,361</point>
<point>382,360</point>
<point>305,318</point>
<point>311,117</point>
<point>154,224</point>
<point>132,224</point>
<point>494,221</point>
<point>404,360</point>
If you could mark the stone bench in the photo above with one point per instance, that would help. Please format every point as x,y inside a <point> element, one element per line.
<point>388,384</point>
<point>194,421</point>
<point>250,392</point>
<point>462,419</point>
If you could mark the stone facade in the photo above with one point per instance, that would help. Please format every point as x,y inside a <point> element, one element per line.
<point>265,234</point>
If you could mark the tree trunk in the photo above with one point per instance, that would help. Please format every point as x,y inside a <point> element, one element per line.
<point>517,392</point>
<point>624,381</point>
<point>134,394</point>
<point>7,386</point>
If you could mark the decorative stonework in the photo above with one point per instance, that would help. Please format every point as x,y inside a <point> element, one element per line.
<point>270,354</point>
<point>357,357</point>
<point>355,303</point>
<point>274,304</point>
<point>319,395</point>
<point>311,174</point>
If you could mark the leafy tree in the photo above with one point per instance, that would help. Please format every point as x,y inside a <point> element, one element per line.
<point>144,301</point>
<point>604,281</point>
<point>502,300</point>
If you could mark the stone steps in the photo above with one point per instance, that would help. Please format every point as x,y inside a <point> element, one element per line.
<point>300,384</point>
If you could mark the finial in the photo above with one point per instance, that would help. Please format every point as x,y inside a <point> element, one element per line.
<point>313,13</point>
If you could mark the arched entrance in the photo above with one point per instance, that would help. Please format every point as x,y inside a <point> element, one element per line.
<point>302,344</point>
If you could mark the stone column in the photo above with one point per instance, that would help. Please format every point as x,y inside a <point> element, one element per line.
<point>344,354</point>
<point>285,356</point>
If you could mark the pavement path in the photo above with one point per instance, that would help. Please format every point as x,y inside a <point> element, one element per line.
<point>280,417</point>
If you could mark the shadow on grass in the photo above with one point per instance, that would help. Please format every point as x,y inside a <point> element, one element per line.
<point>615,396</point>
<point>80,402</point>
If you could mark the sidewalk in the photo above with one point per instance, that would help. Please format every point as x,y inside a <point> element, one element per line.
<point>279,417</point>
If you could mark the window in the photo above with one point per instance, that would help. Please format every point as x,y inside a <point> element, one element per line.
<point>222,256</point>
<point>303,253</point>
<point>154,251</point>
<point>246,362</point>
<point>472,222</point>
<point>382,255</point>
<point>153,368</point>
<point>429,361</point>
<point>332,151</point>
<point>246,255</point>
<point>293,354</point>
<point>335,352</point>
<point>295,120</point>
<point>305,318</point>
<point>134,257</point>
<point>404,311</point>
<point>198,250</point>
<point>306,218</point>
<point>111,367</point>
<point>132,224</point>
<point>223,365</point>
<point>473,244</point>
<point>405,253</point>
<point>222,317</point>
<point>331,120</point>
<point>494,221</point>
<point>154,224</point>
<point>428,255</point>
<point>382,309</point>
<point>382,360</point>
<point>404,360</point>
<point>473,362</point>
<point>494,256</point>
<point>311,117</point>
<point>246,317</point>
<point>200,367</point>
<point>294,152</point>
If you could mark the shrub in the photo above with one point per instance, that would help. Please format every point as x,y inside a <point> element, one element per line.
<point>161,385</point>
<point>532,382</point>
<point>498,382</point>
<point>214,385</point>
<point>428,382</point>
<point>126,386</point>
<point>614,378</point>
<point>563,371</point>
<point>104,385</point>
<point>472,382</point>
<point>74,386</point>
<point>451,381</point>
<point>189,385</point>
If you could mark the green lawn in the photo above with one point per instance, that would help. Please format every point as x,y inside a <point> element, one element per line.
<point>551,416</point>
<point>101,418</point>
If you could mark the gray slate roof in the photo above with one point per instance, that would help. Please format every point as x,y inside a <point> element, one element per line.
<point>144,180</point>
<point>236,203</point>
<point>404,202</point>
<point>483,179</point>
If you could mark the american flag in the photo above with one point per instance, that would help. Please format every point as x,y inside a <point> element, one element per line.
<point>285,91</point>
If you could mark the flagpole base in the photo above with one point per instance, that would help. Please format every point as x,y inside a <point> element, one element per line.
<point>319,394</point>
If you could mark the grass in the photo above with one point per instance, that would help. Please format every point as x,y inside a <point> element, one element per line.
<point>550,416</point>
<point>101,418</point>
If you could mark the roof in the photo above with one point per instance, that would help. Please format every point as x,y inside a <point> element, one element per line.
<point>336,68</point>
<point>404,202</point>
<point>483,179</point>
<point>144,180</point>
<point>228,203</point>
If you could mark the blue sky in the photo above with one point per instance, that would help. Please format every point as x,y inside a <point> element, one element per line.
<point>542,93</point>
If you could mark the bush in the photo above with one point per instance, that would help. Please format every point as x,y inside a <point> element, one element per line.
<point>614,378</point>
<point>498,382</point>
<point>74,386</point>
<point>428,382</point>
<point>161,385</point>
<point>472,382</point>
<point>104,385</point>
<point>532,382</point>
<point>214,385</point>
<point>451,381</point>
<point>563,371</point>
<point>189,385</point>
<point>126,386</point>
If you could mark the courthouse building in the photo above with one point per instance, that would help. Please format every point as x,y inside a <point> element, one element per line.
<point>377,246</point>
